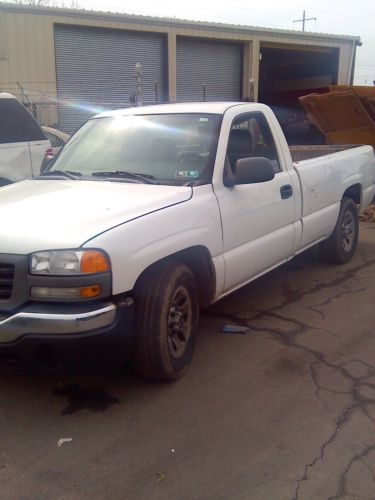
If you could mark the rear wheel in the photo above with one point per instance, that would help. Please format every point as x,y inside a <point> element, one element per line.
<point>341,245</point>
<point>166,321</point>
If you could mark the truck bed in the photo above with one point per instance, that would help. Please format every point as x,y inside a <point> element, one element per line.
<point>300,153</point>
<point>325,171</point>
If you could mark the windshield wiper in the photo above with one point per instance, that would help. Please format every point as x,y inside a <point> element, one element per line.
<point>144,178</point>
<point>66,174</point>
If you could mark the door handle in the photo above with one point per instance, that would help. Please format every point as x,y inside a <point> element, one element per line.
<point>286,191</point>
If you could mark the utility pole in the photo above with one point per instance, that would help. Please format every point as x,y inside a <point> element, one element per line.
<point>304,19</point>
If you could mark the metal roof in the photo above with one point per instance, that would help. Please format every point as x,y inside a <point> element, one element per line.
<point>169,22</point>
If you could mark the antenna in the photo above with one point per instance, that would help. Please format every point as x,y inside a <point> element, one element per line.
<point>303,20</point>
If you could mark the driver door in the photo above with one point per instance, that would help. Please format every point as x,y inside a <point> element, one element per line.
<point>257,219</point>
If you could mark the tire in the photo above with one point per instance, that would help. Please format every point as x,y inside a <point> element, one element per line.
<point>341,245</point>
<point>167,314</point>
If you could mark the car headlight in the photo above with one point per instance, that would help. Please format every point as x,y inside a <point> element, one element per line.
<point>69,262</point>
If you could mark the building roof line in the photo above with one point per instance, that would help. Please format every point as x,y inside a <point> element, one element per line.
<point>170,22</point>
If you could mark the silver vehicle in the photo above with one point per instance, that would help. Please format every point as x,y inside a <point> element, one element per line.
<point>23,144</point>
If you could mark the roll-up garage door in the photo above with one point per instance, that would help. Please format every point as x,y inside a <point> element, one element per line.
<point>218,65</point>
<point>95,66</point>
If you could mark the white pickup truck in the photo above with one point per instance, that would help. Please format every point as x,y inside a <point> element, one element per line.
<point>149,213</point>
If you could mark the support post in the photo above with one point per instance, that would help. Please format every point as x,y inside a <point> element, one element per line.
<point>172,67</point>
<point>253,82</point>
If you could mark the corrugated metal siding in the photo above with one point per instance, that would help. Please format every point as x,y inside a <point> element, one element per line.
<point>217,64</point>
<point>98,65</point>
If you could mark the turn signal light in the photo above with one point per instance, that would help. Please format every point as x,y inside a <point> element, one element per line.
<point>93,262</point>
<point>89,291</point>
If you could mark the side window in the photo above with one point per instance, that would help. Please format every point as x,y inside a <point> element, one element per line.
<point>17,124</point>
<point>250,135</point>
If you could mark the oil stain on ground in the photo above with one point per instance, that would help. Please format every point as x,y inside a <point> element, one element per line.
<point>80,398</point>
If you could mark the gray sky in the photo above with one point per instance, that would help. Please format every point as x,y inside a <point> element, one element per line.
<point>348,17</point>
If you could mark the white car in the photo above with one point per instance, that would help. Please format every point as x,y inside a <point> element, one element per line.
<point>23,144</point>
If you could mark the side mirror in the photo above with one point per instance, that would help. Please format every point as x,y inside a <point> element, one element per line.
<point>253,170</point>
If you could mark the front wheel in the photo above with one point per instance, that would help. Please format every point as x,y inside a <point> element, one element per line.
<point>341,245</point>
<point>167,314</point>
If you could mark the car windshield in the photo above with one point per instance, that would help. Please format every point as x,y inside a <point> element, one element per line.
<point>166,148</point>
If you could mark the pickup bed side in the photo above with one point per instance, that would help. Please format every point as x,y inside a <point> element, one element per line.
<point>325,180</point>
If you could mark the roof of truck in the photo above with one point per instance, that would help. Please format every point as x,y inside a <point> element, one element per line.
<point>188,107</point>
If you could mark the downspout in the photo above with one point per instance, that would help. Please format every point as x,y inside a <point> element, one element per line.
<point>352,61</point>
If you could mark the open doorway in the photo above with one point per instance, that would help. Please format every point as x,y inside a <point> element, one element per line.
<point>288,72</point>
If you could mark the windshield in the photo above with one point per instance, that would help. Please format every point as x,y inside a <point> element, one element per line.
<point>167,149</point>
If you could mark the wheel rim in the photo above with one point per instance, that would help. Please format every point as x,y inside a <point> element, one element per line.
<point>348,231</point>
<point>179,322</point>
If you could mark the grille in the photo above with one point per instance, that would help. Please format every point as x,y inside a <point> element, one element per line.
<point>6,280</point>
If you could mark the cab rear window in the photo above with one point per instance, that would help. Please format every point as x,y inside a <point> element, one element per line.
<point>17,124</point>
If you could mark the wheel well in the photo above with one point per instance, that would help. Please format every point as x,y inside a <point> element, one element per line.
<point>355,193</point>
<point>199,261</point>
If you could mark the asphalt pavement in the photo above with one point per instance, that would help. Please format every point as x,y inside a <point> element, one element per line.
<point>284,411</point>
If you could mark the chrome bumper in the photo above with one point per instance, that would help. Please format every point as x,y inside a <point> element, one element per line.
<point>32,322</point>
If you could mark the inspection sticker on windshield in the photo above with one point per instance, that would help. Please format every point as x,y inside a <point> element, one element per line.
<point>187,174</point>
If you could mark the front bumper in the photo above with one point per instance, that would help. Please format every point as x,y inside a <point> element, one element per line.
<point>52,335</point>
<point>34,321</point>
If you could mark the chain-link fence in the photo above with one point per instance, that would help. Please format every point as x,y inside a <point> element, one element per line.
<point>68,115</point>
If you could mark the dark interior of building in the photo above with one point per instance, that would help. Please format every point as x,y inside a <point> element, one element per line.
<point>286,74</point>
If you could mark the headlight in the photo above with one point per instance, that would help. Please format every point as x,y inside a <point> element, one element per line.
<point>69,262</point>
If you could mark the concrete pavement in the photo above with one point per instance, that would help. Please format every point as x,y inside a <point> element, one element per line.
<point>285,411</point>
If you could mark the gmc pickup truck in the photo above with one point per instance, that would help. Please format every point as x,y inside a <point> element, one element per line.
<point>148,214</point>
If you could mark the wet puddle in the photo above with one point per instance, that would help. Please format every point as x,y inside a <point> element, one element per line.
<point>81,398</point>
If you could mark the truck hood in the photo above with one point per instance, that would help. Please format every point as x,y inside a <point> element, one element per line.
<point>51,214</point>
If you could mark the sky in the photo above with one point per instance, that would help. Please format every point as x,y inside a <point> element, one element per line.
<point>344,17</point>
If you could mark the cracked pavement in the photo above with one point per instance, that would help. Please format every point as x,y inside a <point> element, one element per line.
<point>286,411</point>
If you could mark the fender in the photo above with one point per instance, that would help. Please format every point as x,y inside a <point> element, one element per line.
<point>134,246</point>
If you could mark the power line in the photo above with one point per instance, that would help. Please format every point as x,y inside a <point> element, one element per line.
<point>350,8</point>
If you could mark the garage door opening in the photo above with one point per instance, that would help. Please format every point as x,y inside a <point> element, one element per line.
<point>287,73</point>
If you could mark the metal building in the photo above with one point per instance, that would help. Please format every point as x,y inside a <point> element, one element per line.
<point>86,60</point>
